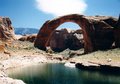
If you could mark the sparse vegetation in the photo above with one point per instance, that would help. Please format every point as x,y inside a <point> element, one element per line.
<point>20,48</point>
<point>101,56</point>
<point>27,48</point>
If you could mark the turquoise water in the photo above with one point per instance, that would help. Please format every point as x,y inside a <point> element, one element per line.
<point>59,74</point>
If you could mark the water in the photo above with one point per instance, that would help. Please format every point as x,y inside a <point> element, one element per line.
<point>59,74</point>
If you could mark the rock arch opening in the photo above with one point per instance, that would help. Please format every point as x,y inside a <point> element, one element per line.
<point>68,35</point>
<point>69,25</point>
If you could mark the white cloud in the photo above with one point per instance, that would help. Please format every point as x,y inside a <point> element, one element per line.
<point>62,7</point>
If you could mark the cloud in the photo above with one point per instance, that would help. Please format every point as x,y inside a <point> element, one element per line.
<point>61,7</point>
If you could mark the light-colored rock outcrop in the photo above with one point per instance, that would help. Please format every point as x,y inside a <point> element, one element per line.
<point>7,80</point>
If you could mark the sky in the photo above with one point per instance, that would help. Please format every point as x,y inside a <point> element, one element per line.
<point>33,13</point>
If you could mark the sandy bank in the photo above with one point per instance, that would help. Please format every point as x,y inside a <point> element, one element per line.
<point>22,61</point>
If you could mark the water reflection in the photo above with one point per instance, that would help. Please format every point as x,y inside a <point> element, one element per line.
<point>59,74</point>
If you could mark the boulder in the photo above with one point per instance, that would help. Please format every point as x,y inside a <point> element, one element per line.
<point>6,29</point>
<point>30,38</point>
<point>57,42</point>
<point>75,40</point>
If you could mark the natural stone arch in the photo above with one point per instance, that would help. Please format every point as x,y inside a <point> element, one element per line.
<point>50,25</point>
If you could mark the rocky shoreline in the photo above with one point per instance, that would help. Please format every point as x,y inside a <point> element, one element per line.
<point>22,61</point>
<point>28,60</point>
<point>91,66</point>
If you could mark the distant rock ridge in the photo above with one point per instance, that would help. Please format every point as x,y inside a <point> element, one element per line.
<point>25,31</point>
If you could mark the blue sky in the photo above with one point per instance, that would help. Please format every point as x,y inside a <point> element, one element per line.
<point>33,13</point>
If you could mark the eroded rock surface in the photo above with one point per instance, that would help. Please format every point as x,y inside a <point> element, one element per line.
<point>6,29</point>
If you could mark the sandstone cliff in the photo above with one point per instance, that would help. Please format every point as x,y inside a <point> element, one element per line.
<point>6,29</point>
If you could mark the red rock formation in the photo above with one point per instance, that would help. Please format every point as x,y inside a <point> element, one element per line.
<point>93,27</point>
<point>103,36</point>
<point>6,30</point>
<point>30,38</point>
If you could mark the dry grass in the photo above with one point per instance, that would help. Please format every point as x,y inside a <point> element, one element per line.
<point>19,48</point>
<point>112,56</point>
<point>26,48</point>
